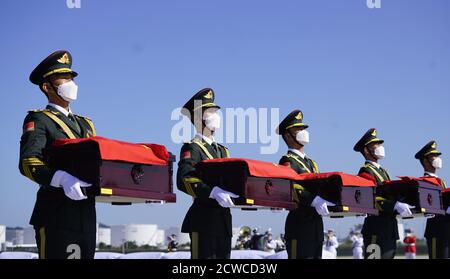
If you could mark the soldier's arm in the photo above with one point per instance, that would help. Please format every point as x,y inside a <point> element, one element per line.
<point>302,196</point>
<point>187,181</point>
<point>364,173</point>
<point>90,124</point>
<point>381,203</point>
<point>32,142</point>
<point>225,151</point>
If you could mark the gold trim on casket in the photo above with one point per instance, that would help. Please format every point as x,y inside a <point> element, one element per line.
<point>426,197</point>
<point>120,172</point>
<point>260,185</point>
<point>353,195</point>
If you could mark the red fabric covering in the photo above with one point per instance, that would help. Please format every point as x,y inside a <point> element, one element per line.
<point>433,180</point>
<point>271,170</point>
<point>347,179</point>
<point>113,150</point>
<point>445,190</point>
<point>368,177</point>
<point>259,168</point>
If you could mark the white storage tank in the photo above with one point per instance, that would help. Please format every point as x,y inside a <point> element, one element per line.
<point>103,234</point>
<point>141,234</point>
<point>29,236</point>
<point>2,236</point>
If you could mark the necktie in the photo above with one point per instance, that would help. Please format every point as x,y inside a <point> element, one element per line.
<point>74,122</point>
<point>216,149</point>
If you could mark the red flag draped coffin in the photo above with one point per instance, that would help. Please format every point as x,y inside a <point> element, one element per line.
<point>120,172</point>
<point>353,195</point>
<point>258,184</point>
<point>422,193</point>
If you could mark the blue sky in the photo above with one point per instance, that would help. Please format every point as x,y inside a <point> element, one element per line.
<point>349,68</point>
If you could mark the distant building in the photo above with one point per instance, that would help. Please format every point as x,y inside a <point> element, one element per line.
<point>14,235</point>
<point>160,238</point>
<point>2,237</point>
<point>29,236</point>
<point>103,234</point>
<point>140,234</point>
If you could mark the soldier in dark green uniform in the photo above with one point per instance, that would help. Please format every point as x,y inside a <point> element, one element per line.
<point>304,226</point>
<point>381,230</point>
<point>63,217</point>
<point>437,231</point>
<point>208,220</point>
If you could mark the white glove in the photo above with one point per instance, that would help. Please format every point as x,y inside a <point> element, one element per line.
<point>321,206</point>
<point>70,184</point>
<point>403,209</point>
<point>448,210</point>
<point>222,197</point>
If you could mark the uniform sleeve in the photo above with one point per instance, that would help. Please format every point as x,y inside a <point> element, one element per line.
<point>225,151</point>
<point>302,196</point>
<point>32,142</point>
<point>315,166</point>
<point>92,131</point>
<point>381,203</point>
<point>285,161</point>
<point>187,181</point>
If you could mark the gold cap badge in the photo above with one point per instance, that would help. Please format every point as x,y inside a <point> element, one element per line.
<point>64,59</point>
<point>208,95</point>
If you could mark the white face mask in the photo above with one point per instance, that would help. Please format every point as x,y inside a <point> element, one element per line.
<point>68,91</point>
<point>212,122</point>
<point>380,152</point>
<point>302,137</point>
<point>437,163</point>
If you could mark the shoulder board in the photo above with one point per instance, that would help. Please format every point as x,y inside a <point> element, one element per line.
<point>197,140</point>
<point>284,157</point>
<point>42,110</point>
<point>84,117</point>
<point>371,168</point>
<point>192,141</point>
<point>189,143</point>
<point>221,145</point>
<point>37,110</point>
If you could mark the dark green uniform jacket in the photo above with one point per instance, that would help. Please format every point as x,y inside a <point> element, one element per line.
<point>205,216</point>
<point>40,129</point>
<point>438,226</point>
<point>304,198</point>
<point>384,225</point>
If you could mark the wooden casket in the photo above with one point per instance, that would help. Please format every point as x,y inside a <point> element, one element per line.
<point>419,192</point>
<point>260,185</point>
<point>353,195</point>
<point>446,198</point>
<point>121,173</point>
